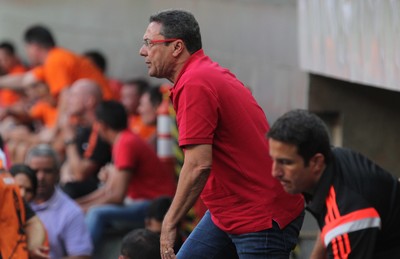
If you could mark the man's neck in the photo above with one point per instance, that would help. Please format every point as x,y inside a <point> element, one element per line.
<point>180,63</point>
<point>40,200</point>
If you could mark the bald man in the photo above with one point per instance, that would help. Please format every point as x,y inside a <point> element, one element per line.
<point>85,151</point>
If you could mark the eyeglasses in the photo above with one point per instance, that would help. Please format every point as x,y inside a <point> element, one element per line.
<point>149,43</point>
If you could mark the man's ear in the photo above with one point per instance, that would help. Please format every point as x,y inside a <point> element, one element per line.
<point>317,162</point>
<point>179,47</point>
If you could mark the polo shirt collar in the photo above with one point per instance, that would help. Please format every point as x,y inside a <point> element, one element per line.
<point>45,205</point>
<point>195,56</point>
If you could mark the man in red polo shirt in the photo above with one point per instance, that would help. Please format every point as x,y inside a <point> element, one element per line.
<point>222,130</point>
<point>136,177</point>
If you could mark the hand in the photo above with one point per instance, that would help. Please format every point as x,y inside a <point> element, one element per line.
<point>68,132</point>
<point>167,241</point>
<point>66,175</point>
<point>39,253</point>
<point>105,172</point>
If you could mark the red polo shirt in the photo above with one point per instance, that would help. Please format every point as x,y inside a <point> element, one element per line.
<point>214,107</point>
<point>150,178</point>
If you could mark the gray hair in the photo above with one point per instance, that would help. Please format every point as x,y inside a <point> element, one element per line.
<point>179,24</point>
<point>43,150</point>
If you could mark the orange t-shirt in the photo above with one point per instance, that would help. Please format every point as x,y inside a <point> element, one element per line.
<point>62,68</point>
<point>9,97</point>
<point>144,131</point>
<point>44,112</point>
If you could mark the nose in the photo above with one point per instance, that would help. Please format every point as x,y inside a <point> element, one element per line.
<point>143,51</point>
<point>39,175</point>
<point>276,170</point>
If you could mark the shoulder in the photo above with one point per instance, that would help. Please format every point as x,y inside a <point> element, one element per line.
<point>65,203</point>
<point>58,55</point>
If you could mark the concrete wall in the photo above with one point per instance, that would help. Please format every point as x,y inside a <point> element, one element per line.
<point>256,39</point>
<point>369,117</point>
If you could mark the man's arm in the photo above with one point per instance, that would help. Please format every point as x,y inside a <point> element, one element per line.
<point>76,167</point>
<point>36,236</point>
<point>18,81</point>
<point>192,179</point>
<point>113,192</point>
<point>319,251</point>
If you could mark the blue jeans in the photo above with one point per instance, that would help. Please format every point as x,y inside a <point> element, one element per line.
<point>100,217</point>
<point>208,241</point>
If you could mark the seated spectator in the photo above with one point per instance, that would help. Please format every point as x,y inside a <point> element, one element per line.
<point>9,65</point>
<point>62,217</point>
<point>35,120</point>
<point>140,244</point>
<point>131,93</point>
<point>85,151</point>
<point>26,180</point>
<point>148,105</point>
<point>136,177</point>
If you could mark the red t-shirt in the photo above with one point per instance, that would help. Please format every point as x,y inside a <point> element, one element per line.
<point>214,107</point>
<point>150,178</point>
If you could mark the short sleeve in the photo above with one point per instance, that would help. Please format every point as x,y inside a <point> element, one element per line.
<point>37,111</point>
<point>197,114</point>
<point>124,156</point>
<point>38,72</point>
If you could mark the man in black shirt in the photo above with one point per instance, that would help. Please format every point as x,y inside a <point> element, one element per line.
<point>355,202</point>
<point>85,151</point>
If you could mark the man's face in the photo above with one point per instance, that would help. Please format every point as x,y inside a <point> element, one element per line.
<point>130,98</point>
<point>33,53</point>
<point>46,174</point>
<point>289,168</point>
<point>147,111</point>
<point>158,57</point>
<point>5,61</point>
<point>76,100</point>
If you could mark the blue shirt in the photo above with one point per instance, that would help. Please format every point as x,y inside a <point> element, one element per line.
<point>65,225</point>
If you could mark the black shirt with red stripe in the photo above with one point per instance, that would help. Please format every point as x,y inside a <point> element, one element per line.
<point>357,206</point>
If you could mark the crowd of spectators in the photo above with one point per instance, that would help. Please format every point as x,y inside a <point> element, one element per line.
<point>80,146</point>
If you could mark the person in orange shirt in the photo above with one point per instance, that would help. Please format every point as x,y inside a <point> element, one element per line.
<point>10,65</point>
<point>56,66</point>
<point>33,123</point>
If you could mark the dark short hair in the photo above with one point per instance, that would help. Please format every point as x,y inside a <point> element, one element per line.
<point>97,58</point>
<point>158,208</point>
<point>112,114</point>
<point>141,244</point>
<point>155,95</point>
<point>141,84</point>
<point>8,47</point>
<point>26,170</point>
<point>40,35</point>
<point>181,25</point>
<point>306,131</point>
